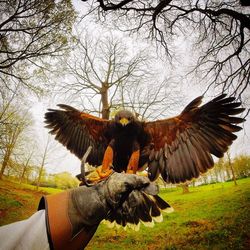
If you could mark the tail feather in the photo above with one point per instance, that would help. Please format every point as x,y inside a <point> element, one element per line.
<point>138,208</point>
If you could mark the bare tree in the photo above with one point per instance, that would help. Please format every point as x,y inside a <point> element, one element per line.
<point>231,167</point>
<point>185,188</point>
<point>26,164</point>
<point>41,168</point>
<point>218,29</point>
<point>30,32</point>
<point>152,100</point>
<point>47,152</point>
<point>106,75</point>
<point>12,130</point>
<point>7,100</point>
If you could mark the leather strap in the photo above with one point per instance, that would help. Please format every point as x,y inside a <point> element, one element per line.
<point>59,227</point>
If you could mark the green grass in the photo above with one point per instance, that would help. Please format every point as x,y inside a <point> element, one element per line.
<point>212,217</point>
<point>19,201</point>
<point>209,217</point>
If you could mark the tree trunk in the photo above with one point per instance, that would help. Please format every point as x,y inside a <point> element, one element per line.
<point>228,173</point>
<point>216,175</point>
<point>22,175</point>
<point>221,176</point>
<point>5,162</point>
<point>39,177</point>
<point>204,179</point>
<point>42,165</point>
<point>231,167</point>
<point>185,188</point>
<point>25,167</point>
<point>105,101</point>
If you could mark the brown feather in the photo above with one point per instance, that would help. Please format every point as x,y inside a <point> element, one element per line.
<point>189,139</point>
<point>77,130</point>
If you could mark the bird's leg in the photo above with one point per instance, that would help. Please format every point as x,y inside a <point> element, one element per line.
<point>134,159</point>
<point>107,162</point>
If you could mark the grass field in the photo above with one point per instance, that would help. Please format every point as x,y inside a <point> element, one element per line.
<point>215,216</point>
<point>18,202</point>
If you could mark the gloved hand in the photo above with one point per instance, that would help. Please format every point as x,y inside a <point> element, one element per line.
<point>73,216</point>
<point>90,205</point>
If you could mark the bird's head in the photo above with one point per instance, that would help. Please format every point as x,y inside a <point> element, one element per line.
<point>124,117</point>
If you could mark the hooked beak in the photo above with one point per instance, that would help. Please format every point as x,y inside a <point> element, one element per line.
<point>124,121</point>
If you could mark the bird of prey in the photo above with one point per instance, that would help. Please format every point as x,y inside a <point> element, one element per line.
<point>178,148</point>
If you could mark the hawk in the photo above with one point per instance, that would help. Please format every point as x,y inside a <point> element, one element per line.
<point>178,148</point>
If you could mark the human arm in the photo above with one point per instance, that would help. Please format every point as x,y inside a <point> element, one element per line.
<point>73,216</point>
<point>68,220</point>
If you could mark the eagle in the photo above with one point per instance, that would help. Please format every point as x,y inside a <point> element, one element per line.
<point>178,148</point>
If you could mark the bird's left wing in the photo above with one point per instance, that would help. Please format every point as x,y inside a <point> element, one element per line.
<point>77,131</point>
<point>182,145</point>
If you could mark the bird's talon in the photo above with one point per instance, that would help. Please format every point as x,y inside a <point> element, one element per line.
<point>129,171</point>
<point>103,173</point>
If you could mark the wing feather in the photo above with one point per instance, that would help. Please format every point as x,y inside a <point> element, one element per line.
<point>184,145</point>
<point>77,131</point>
<point>179,166</point>
<point>187,157</point>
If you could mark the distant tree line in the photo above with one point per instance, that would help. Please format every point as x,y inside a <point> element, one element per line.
<point>30,174</point>
<point>63,180</point>
<point>226,169</point>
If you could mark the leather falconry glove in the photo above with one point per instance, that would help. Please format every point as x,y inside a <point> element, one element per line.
<point>73,216</point>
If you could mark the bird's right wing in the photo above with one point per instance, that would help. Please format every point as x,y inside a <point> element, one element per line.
<point>77,131</point>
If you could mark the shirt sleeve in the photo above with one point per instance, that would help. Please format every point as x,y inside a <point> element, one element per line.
<point>27,234</point>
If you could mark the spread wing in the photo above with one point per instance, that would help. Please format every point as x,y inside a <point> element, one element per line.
<point>77,131</point>
<point>184,145</point>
